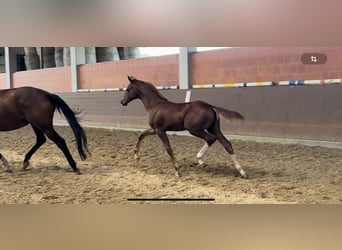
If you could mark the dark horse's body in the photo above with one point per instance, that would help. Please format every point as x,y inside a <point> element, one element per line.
<point>199,118</point>
<point>27,105</point>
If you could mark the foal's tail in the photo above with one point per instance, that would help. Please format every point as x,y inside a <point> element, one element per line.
<point>229,114</point>
<point>71,116</point>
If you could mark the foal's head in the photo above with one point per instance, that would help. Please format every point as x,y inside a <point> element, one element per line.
<point>132,92</point>
<point>139,89</point>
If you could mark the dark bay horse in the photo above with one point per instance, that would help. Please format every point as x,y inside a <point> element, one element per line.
<point>27,105</point>
<point>199,118</point>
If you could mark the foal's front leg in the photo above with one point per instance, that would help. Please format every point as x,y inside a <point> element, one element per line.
<point>162,135</point>
<point>145,133</point>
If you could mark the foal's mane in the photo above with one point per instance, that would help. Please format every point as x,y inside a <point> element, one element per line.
<point>152,88</point>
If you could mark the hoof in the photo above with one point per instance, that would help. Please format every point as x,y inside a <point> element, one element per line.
<point>136,156</point>
<point>201,164</point>
<point>25,164</point>
<point>244,176</point>
<point>177,174</point>
<point>77,171</point>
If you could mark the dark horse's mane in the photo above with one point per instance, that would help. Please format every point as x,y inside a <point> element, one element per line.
<point>154,89</point>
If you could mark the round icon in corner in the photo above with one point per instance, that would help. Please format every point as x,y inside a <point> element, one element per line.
<point>314,58</point>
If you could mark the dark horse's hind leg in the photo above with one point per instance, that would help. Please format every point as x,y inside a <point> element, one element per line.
<point>163,136</point>
<point>39,142</point>
<point>60,142</point>
<point>5,163</point>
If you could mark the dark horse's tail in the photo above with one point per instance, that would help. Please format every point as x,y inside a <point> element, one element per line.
<point>71,116</point>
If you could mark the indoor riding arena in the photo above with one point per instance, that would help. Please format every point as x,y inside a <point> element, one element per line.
<point>289,143</point>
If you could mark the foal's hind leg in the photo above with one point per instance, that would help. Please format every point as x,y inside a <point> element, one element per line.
<point>39,142</point>
<point>228,147</point>
<point>60,142</point>
<point>5,163</point>
<point>210,139</point>
<point>163,136</point>
<point>145,133</point>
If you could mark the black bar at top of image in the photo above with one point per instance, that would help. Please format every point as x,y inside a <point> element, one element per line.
<point>170,199</point>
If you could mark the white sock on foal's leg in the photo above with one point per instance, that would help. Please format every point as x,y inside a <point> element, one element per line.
<point>238,166</point>
<point>201,153</point>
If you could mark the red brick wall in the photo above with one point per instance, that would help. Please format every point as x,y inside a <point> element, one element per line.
<point>219,66</point>
<point>263,64</point>
<point>51,79</point>
<point>161,71</point>
<point>2,80</point>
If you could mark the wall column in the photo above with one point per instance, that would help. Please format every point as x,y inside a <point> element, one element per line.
<point>185,67</point>
<point>77,57</point>
<point>10,65</point>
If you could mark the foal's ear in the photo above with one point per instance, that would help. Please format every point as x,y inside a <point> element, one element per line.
<point>131,78</point>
